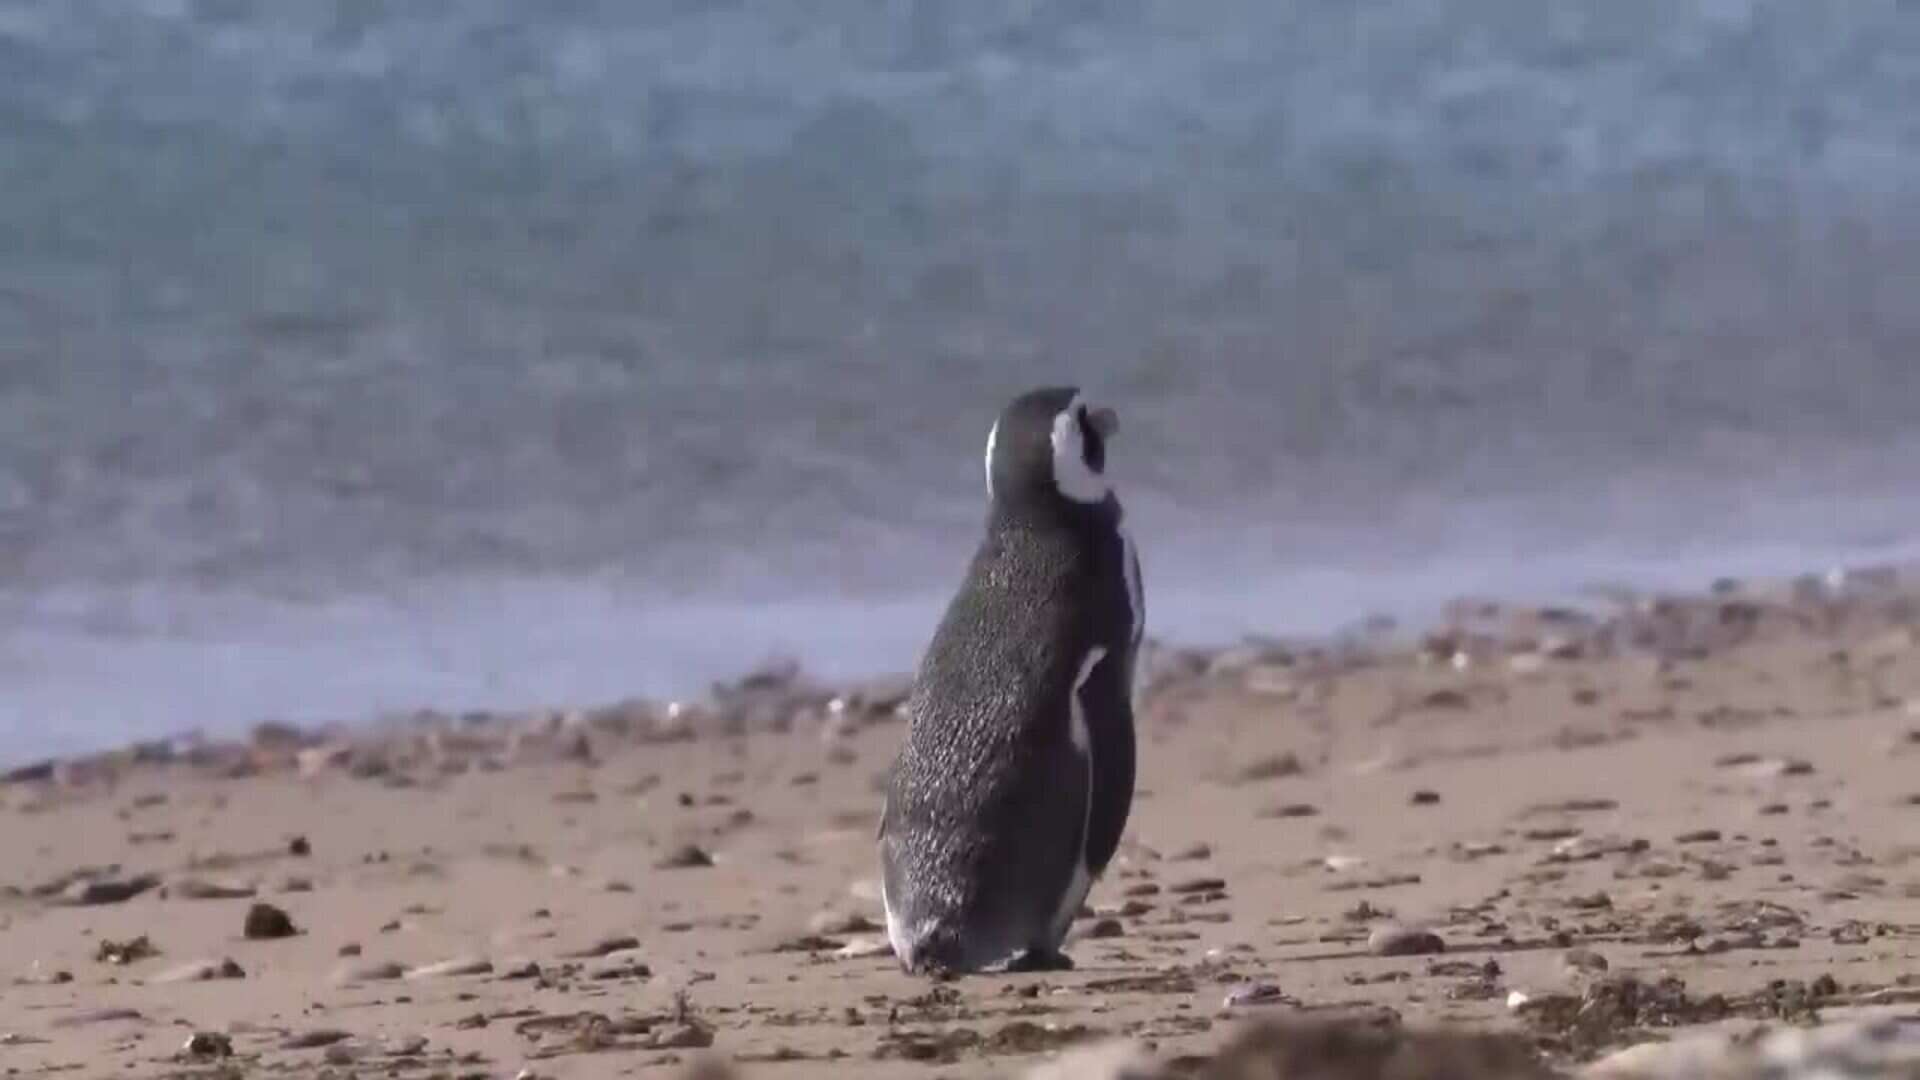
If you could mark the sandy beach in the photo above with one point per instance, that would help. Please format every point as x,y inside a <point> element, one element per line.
<point>1580,829</point>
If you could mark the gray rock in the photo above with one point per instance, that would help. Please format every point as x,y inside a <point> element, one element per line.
<point>266,923</point>
<point>315,1039</point>
<point>199,971</point>
<point>1404,941</point>
<point>98,891</point>
<point>366,972</point>
<point>202,889</point>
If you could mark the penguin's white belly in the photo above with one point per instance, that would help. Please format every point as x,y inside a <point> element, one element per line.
<point>1081,881</point>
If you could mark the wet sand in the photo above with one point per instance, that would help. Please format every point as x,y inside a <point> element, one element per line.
<point>1581,829</point>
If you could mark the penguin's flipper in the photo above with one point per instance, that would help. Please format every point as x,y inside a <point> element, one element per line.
<point>1107,702</point>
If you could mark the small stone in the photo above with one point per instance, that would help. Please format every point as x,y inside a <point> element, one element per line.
<point>208,1044</point>
<point>1198,885</point>
<point>625,965</point>
<point>367,972</point>
<point>200,971</point>
<point>1270,768</point>
<point>1404,941</point>
<point>405,1046</point>
<point>299,848</point>
<point>454,968</point>
<point>685,857</point>
<point>91,1017</point>
<point>99,891</point>
<point>130,951</point>
<point>314,1040</point>
<point>1291,810</point>
<point>1698,836</point>
<point>1102,929</point>
<point>200,889</point>
<point>267,923</point>
<point>688,1036</point>
<point>1254,994</point>
<point>606,945</point>
<point>1425,798</point>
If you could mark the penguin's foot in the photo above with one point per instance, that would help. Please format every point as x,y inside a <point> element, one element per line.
<point>1041,960</point>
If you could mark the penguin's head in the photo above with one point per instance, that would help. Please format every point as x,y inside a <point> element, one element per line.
<point>1050,445</point>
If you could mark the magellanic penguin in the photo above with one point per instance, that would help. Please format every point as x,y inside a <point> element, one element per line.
<point>1011,791</point>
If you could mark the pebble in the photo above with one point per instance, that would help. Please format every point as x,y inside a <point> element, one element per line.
<point>201,889</point>
<point>1270,768</point>
<point>372,971</point>
<point>199,971</point>
<point>267,923</point>
<point>315,1039</point>
<point>685,857</point>
<point>1404,941</point>
<point>454,968</point>
<point>100,891</point>
<point>405,1046</point>
<point>208,1044</point>
<point>1254,994</point>
<point>688,1036</point>
<point>1101,929</point>
<point>97,1016</point>
<point>1425,798</point>
<point>611,944</point>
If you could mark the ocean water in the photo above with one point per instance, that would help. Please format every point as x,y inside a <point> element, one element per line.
<point>363,356</point>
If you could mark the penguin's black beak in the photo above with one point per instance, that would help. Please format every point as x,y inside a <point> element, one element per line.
<point>1104,421</point>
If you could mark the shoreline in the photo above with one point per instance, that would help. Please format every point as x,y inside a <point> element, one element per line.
<point>781,683</point>
<point>1573,831</point>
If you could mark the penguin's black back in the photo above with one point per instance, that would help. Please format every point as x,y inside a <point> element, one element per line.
<point>975,815</point>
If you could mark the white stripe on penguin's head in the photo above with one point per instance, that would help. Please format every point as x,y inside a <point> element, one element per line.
<point>993,436</point>
<point>1073,474</point>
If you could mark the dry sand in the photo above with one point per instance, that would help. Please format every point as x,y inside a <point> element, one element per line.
<point>1674,813</point>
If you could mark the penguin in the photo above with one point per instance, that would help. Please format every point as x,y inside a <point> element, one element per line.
<point>1013,785</point>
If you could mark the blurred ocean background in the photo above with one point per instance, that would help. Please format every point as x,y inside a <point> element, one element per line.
<point>376,354</point>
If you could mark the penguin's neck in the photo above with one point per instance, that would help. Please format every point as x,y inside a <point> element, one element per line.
<point>1055,512</point>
